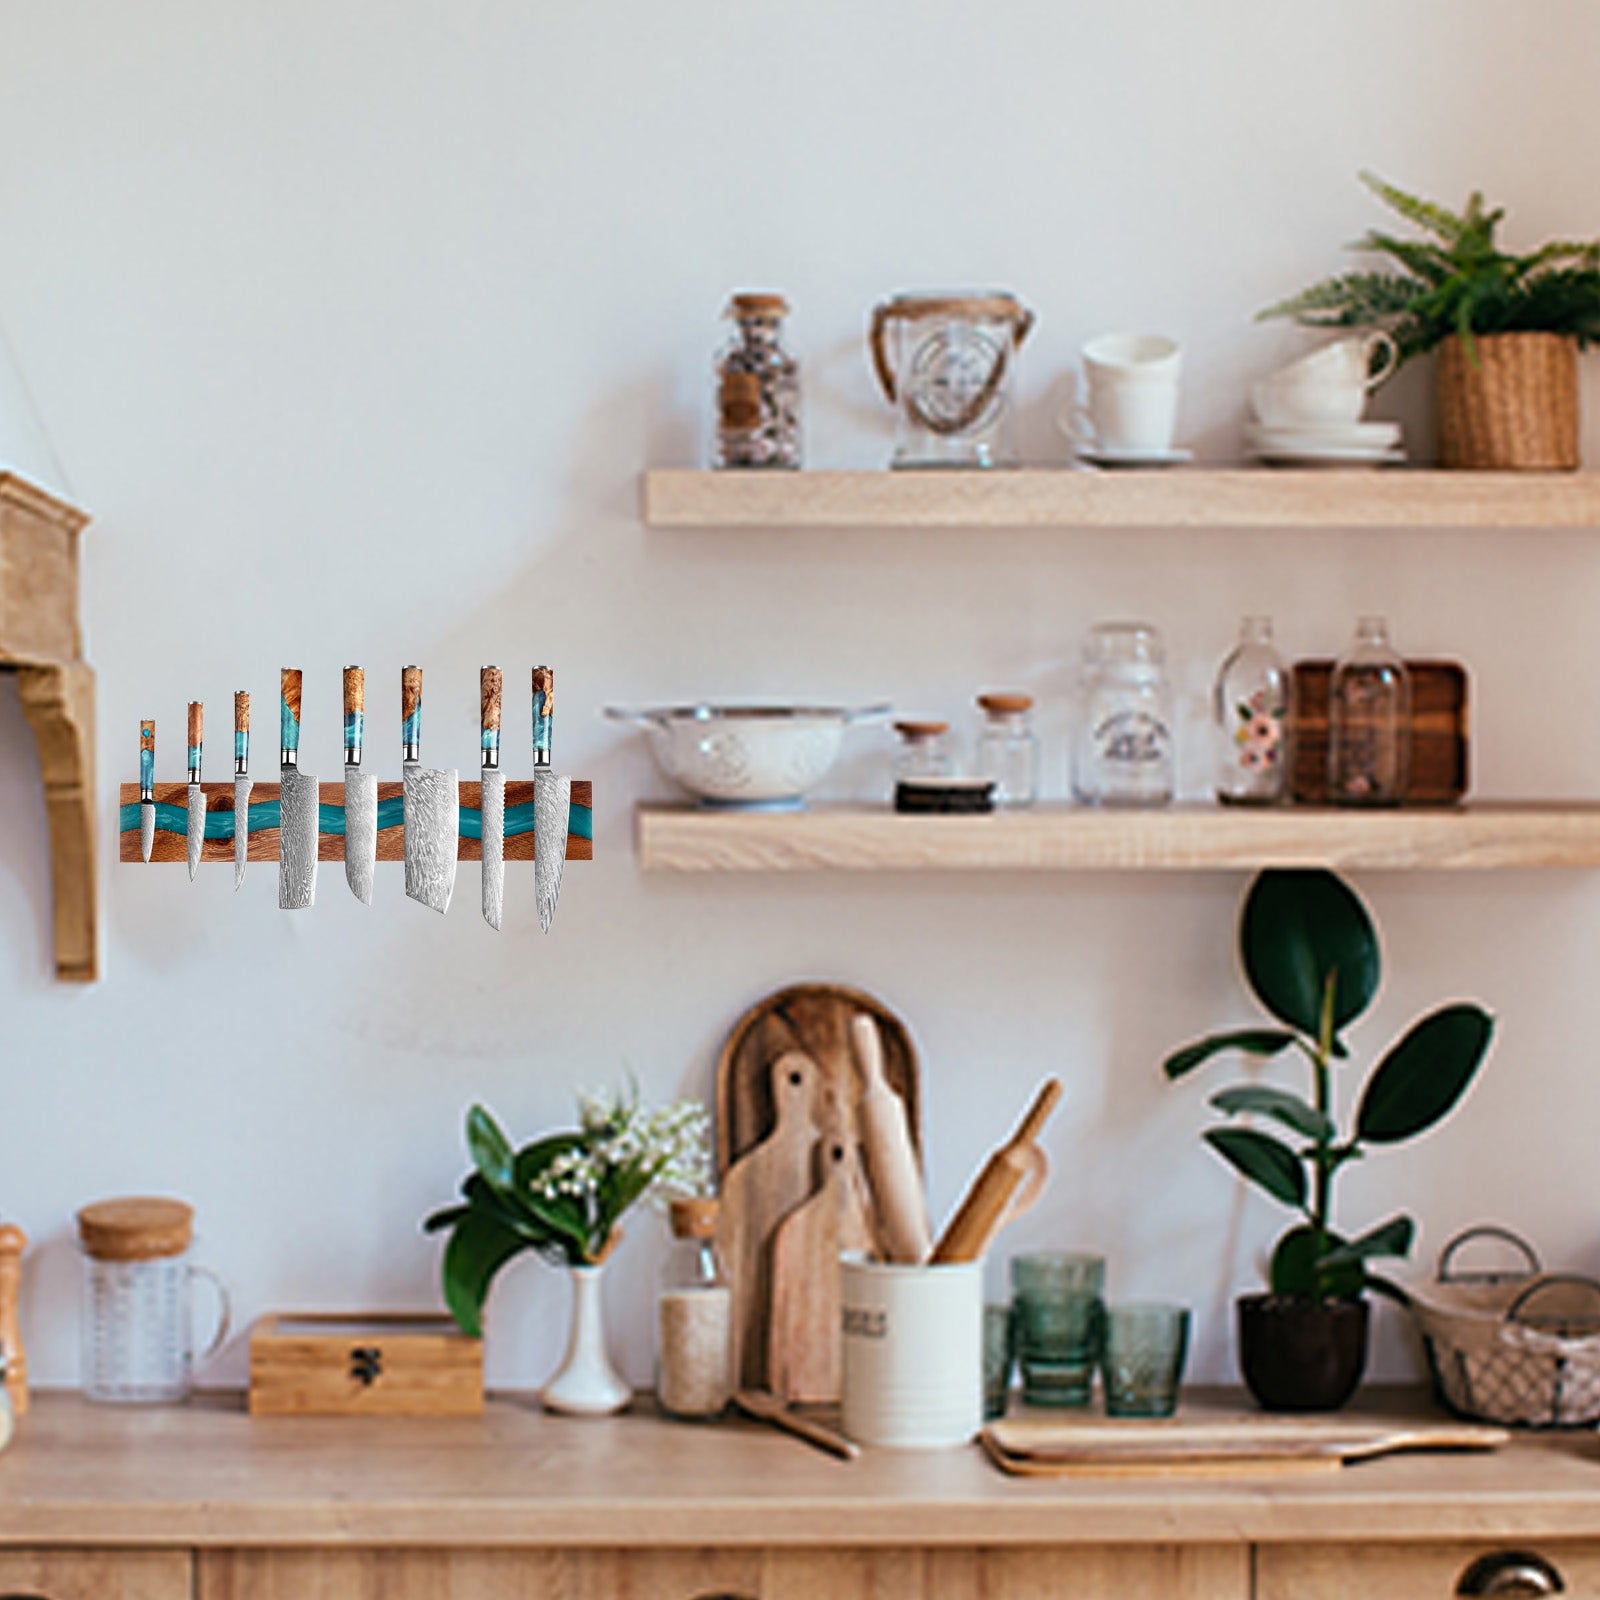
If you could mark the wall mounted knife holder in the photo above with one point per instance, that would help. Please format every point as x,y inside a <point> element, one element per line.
<point>172,824</point>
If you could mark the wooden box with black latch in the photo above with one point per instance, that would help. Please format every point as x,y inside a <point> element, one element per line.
<point>386,1364</point>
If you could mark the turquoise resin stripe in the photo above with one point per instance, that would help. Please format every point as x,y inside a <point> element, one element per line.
<point>411,728</point>
<point>194,756</point>
<point>288,727</point>
<point>355,727</point>
<point>330,819</point>
<point>241,744</point>
<point>147,771</point>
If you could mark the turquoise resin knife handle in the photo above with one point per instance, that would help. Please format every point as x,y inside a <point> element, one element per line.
<point>241,732</point>
<point>544,706</point>
<point>289,699</point>
<point>489,694</point>
<point>147,759</point>
<point>355,714</point>
<point>196,736</point>
<point>411,713</point>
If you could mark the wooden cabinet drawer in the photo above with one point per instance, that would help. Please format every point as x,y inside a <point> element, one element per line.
<point>1425,1571</point>
<point>96,1575</point>
<point>1091,1572</point>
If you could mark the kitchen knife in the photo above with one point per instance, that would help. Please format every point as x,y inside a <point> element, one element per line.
<point>552,802</point>
<point>147,788</point>
<point>197,795</point>
<point>432,807</point>
<point>241,784</point>
<point>360,792</point>
<point>297,804</point>
<point>493,802</point>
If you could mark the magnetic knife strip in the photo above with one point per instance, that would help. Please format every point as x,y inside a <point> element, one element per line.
<point>172,822</point>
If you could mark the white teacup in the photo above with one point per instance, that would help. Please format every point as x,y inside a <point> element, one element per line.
<point>1132,391</point>
<point>1327,386</point>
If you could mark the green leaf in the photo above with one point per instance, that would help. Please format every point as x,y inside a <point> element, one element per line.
<point>1263,1160</point>
<point>477,1250</point>
<point>446,1218</point>
<point>1424,1075</point>
<point>1299,1267</point>
<point>1297,926</point>
<point>490,1149</point>
<point>1259,1099</point>
<point>1435,219</point>
<point>1387,1287</point>
<point>1391,1238</point>
<point>1253,1041</point>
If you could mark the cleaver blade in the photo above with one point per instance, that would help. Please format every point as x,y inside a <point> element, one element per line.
<point>297,800</point>
<point>432,807</point>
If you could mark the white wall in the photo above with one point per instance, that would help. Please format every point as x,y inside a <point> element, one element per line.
<point>354,325</point>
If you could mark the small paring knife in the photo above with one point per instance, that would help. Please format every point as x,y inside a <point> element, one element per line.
<point>147,788</point>
<point>197,795</point>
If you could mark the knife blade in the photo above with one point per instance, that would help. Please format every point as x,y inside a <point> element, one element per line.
<point>432,807</point>
<point>360,792</point>
<point>241,784</point>
<point>492,805</point>
<point>552,802</point>
<point>297,804</point>
<point>147,788</point>
<point>197,795</point>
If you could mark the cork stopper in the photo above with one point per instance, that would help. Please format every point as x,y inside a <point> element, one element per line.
<point>137,1228</point>
<point>910,728</point>
<point>694,1217</point>
<point>1006,704</point>
<point>758,305</point>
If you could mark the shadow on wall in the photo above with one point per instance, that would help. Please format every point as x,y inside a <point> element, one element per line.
<point>26,907</point>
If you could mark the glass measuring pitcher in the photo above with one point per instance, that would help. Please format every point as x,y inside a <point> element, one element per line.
<point>138,1322</point>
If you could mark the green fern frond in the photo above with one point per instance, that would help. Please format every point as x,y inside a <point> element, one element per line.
<point>1417,256</point>
<point>1569,250</point>
<point>1426,214</point>
<point>1357,298</point>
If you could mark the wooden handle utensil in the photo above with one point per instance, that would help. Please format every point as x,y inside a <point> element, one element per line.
<point>891,1163</point>
<point>992,1201</point>
<point>764,1407</point>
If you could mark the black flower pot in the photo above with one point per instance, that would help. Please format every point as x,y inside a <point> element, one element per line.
<point>1301,1354</point>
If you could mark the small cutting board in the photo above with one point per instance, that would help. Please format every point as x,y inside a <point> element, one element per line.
<point>1212,1446</point>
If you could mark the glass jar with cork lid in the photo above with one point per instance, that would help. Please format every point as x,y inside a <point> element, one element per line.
<point>758,388</point>
<point>1008,748</point>
<point>694,1378</point>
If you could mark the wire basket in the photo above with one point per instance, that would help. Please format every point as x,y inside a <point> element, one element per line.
<point>1520,1347</point>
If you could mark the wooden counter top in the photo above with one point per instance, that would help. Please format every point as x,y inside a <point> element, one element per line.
<point>206,1474</point>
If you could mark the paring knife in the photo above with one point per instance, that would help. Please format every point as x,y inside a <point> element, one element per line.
<point>432,807</point>
<point>360,792</point>
<point>147,788</point>
<point>197,795</point>
<point>552,802</point>
<point>241,784</point>
<point>493,802</point>
<point>297,804</point>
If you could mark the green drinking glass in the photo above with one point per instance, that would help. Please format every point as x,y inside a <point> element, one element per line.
<point>999,1354</point>
<point>1057,1309</point>
<point>1141,1363</point>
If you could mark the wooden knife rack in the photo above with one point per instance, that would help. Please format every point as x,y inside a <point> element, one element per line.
<point>173,846</point>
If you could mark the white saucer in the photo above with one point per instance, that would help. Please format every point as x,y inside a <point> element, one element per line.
<point>1328,436</point>
<point>1306,456</point>
<point>1109,456</point>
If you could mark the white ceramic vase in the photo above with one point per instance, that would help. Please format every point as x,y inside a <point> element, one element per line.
<point>586,1384</point>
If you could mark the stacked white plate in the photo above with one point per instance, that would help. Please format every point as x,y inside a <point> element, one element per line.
<point>1329,444</point>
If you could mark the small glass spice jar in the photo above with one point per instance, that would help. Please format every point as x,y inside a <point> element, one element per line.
<point>1008,748</point>
<point>758,388</point>
<point>1250,709</point>
<point>1122,755</point>
<point>694,1315</point>
<point>923,751</point>
<point>1369,721</point>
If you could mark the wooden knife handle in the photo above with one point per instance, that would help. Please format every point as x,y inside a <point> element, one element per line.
<point>197,721</point>
<point>411,706</point>
<point>489,692</point>
<point>355,711</point>
<point>289,708</point>
<point>147,755</point>
<point>544,708</point>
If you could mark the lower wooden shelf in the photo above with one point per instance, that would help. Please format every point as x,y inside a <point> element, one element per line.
<point>1064,838</point>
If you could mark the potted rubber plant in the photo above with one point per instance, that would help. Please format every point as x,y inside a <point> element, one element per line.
<point>1310,954</point>
<point>1508,328</point>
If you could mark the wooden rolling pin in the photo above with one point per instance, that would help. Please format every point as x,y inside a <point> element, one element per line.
<point>891,1163</point>
<point>991,1201</point>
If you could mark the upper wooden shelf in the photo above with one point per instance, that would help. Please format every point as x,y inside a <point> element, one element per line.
<point>1081,838</point>
<point>1258,497</point>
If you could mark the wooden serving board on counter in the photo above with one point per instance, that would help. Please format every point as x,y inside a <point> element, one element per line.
<point>1212,1446</point>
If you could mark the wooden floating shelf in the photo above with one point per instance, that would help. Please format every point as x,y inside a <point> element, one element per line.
<point>1251,497</point>
<point>330,846</point>
<point>1066,838</point>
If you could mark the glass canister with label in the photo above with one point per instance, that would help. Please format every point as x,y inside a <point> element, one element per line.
<point>758,388</point>
<point>946,364</point>
<point>1123,749</point>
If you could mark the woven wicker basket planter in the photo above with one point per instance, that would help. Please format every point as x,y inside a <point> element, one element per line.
<point>1517,408</point>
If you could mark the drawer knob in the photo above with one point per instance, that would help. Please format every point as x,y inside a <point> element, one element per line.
<point>1511,1572</point>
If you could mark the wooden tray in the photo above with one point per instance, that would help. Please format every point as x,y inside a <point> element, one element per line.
<point>1439,733</point>
<point>814,1017</point>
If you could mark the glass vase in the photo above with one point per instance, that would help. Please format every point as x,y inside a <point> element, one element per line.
<point>1369,722</point>
<point>1250,709</point>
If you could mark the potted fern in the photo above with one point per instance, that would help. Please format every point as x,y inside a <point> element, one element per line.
<point>1508,328</point>
<point>1310,955</point>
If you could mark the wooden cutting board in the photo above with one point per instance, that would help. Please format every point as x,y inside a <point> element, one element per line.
<point>1213,1446</point>
<point>815,1018</point>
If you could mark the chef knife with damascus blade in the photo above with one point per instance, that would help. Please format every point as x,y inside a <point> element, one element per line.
<point>360,792</point>
<point>432,807</point>
<point>147,788</point>
<point>197,795</point>
<point>241,784</point>
<point>492,805</point>
<point>297,805</point>
<point>552,802</point>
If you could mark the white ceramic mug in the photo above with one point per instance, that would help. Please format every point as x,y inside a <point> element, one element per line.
<point>912,1375</point>
<point>1326,386</point>
<point>1131,381</point>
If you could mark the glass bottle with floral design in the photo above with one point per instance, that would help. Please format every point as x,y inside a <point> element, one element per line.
<point>1250,707</point>
<point>1369,721</point>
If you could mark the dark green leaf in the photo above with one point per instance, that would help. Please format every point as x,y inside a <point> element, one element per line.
<point>1259,1099</point>
<point>477,1250</point>
<point>1263,1160</point>
<point>489,1148</point>
<point>1299,1266</point>
<point>1391,1238</point>
<point>1253,1041</point>
<point>1424,1075</point>
<point>1298,925</point>
<point>1387,1287</point>
<point>532,1159</point>
<point>447,1218</point>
